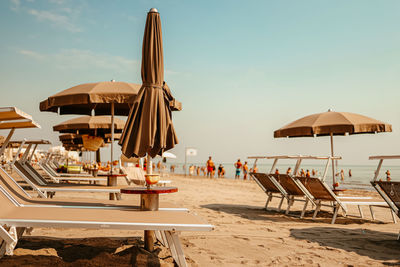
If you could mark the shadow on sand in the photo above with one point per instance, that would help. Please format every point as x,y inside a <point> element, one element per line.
<point>83,252</point>
<point>376,245</point>
<point>259,213</point>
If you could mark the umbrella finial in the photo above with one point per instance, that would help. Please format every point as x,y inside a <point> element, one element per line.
<point>153,10</point>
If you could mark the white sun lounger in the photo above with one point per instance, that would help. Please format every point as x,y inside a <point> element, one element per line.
<point>15,220</point>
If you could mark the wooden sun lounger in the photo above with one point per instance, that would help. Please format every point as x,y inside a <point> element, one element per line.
<point>294,191</point>
<point>322,194</point>
<point>312,189</point>
<point>14,220</point>
<point>272,190</point>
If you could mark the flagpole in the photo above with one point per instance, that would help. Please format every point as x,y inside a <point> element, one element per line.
<point>185,159</point>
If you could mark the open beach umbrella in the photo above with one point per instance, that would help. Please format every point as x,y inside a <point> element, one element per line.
<point>102,98</point>
<point>92,125</point>
<point>149,129</point>
<point>332,123</point>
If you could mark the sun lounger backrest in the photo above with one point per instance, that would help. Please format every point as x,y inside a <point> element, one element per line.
<point>392,190</point>
<point>27,175</point>
<point>35,172</point>
<point>289,185</point>
<point>263,179</point>
<point>316,187</point>
<point>12,187</point>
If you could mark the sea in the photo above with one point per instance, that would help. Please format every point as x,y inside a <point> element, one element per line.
<point>360,179</point>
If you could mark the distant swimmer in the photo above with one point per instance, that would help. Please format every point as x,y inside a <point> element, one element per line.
<point>350,173</point>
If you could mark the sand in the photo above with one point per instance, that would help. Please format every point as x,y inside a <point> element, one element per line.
<point>245,234</point>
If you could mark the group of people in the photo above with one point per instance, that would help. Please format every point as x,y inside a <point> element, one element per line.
<point>210,169</point>
<point>242,167</point>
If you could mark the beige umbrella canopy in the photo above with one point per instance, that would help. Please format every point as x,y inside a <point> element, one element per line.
<point>77,139</point>
<point>84,98</point>
<point>335,123</point>
<point>332,123</point>
<point>90,125</point>
<point>104,98</point>
<point>149,129</point>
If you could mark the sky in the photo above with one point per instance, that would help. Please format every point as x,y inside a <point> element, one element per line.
<point>242,69</point>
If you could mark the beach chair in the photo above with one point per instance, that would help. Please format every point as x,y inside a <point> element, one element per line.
<point>294,192</point>
<point>270,188</point>
<point>315,190</point>
<point>22,198</point>
<point>388,190</point>
<point>282,184</point>
<point>14,220</point>
<point>45,165</point>
<point>324,196</point>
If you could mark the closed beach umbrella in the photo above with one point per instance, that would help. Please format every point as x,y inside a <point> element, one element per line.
<point>104,98</point>
<point>332,123</point>
<point>149,129</point>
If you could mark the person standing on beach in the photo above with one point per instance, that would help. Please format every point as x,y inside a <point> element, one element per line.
<point>245,170</point>
<point>388,175</point>
<point>276,171</point>
<point>308,175</point>
<point>289,171</point>
<point>342,175</point>
<point>238,166</point>
<point>209,165</point>
<point>350,173</point>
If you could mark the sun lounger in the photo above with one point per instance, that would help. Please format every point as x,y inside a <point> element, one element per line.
<point>50,189</point>
<point>313,189</point>
<point>294,191</point>
<point>272,190</point>
<point>323,194</point>
<point>388,190</point>
<point>15,220</point>
<point>23,199</point>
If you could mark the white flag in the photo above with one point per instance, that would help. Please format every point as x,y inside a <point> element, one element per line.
<point>191,152</point>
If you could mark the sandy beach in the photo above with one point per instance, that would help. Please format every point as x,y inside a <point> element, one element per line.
<point>245,234</point>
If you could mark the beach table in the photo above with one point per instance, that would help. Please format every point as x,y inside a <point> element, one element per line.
<point>149,200</point>
<point>112,181</point>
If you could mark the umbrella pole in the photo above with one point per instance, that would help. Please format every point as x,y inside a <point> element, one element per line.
<point>148,203</point>
<point>112,135</point>
<point>333,163</point>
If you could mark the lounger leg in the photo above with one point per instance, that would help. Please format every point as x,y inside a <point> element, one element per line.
<point>372,213</point>
<point>361,212</point>
<point>10,238</point>
<point>304,209</point>
<point>335,213</point>
<point>268,200</point>
<point>393,216</point>
<point>290,203</point>
<point>280,203</point>
<point>160,236</point>
<point>317,209</point>
<point>173,240</point>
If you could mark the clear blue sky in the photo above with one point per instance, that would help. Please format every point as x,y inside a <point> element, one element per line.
<point>241,68</point>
